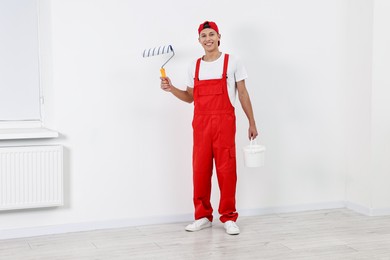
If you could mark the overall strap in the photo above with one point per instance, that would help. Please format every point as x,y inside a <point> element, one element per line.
<point>225,66</point>
<point>197,69</point>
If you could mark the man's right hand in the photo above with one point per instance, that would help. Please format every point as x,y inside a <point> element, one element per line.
<point>166,84</point>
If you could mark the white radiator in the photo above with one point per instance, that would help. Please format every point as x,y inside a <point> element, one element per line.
<point>31,177</point>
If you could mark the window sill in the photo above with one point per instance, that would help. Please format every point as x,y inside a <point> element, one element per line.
<point>27,133</point>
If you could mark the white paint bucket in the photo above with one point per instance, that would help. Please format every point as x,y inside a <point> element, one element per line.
<point>254,154</point>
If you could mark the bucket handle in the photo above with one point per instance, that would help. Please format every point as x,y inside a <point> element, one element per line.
<point>252,142</point>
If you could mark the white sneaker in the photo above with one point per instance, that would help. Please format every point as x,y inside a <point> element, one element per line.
<point>231,227</point>
<point>199,225</point>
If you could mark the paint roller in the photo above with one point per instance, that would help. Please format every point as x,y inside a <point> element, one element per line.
<point>158,51</point>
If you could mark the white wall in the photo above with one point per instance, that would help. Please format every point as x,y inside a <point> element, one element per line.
<point>368,109</point>
<point>358,87</point>
<point>128,144</point>
<point>380,128</point>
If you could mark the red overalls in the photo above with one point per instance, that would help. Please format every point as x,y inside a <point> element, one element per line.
<point>214,126</point>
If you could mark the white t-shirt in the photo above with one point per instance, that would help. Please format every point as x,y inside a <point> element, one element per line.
<point>214,69</point>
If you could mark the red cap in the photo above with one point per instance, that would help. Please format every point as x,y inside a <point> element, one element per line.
<point>208,24</point>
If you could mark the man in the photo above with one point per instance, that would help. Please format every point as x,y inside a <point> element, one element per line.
<point>212,85</point>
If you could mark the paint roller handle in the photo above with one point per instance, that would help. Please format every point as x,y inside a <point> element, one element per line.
<point>163,74</point>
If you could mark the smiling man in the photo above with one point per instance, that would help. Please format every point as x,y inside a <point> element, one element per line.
<point>213,83</point>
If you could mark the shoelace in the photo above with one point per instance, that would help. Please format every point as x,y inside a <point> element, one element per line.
<point>231,224</point>
<point>199,222</point>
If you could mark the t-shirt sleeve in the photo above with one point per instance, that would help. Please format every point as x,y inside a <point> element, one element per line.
<point>240,73</point>
<point>190,75</point>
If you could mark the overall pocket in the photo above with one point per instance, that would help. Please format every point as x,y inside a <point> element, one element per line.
<point>227,134</point>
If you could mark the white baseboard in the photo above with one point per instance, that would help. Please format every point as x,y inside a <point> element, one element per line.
<point>121,223</point>
<point>358,208</point>
<point>380,212</point>
<point>93,225</point>
<point>294,208</point>
<point>374,212</point>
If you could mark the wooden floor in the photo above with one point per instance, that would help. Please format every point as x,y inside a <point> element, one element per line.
<point>315,235</point>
